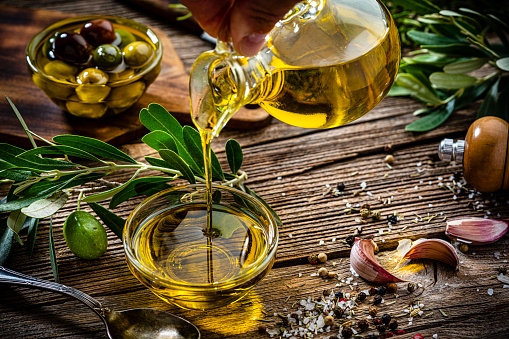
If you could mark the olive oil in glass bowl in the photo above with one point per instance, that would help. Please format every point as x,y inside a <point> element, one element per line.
<point>90,88</point>
<point>167,249</point>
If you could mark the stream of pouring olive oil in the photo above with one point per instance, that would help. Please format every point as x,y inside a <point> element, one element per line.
<point>328,80</point>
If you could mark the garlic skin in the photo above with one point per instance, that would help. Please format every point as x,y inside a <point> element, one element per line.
<point>475,230</point>
<point>436,249</point>
<point>363,261</point>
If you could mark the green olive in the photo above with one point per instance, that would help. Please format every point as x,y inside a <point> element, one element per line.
<point>121,98</point>
<point>137,54</point>
<point>123,75</point>
<point>53,90</point>
<point>84,110</point>
<point>92,94</point>
<point>84,235</point>
<point>123,38</point>
<point>47,48</point>
<point>61,70</point>
<point>107,56</point>
<point>92,76</point>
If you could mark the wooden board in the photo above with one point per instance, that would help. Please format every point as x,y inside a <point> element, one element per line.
<point>47,120</point>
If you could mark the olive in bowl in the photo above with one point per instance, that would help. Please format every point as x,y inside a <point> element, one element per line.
<point>94,66</point>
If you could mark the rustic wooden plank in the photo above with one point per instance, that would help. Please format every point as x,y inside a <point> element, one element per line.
<point>462,295</point>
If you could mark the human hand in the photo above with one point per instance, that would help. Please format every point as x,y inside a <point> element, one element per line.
<point>243,22</point>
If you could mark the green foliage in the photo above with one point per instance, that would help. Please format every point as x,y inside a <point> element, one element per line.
<point>453,44</point>
<point>41,185</point>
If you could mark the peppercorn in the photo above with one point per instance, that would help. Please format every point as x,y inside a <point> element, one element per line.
<point>363,324</point>
<point>382,290</point>
<point>393,324</point>
<point>457,175</point>
<point>376,321</point>
<point>326,292</point>
<point>322,257</point>
<point>401,332</point>
<point>377,299</point>
<point>361,296</point>
<point>346,332</point>
<point>365,213</point>
<point>418,336</point>
<point>386,318</point>
<point>464,248</point>
<point>313,259</point>
<point>502,269</point>
<point>373,291</point>
<point>322,272</point>
<point>392,288</point>
<point>350,240</point>
<point>331,274</point>
<point>381,328</point>
<point>338,295</point>
<point>338,312</point>
<point>389,148</point>
<point>372,311</point>
<point>340,186</point>
<point>262,328</point>
<point>328,320</point>
<point>376,214</point>
<point>411,287</point>
<point>389,159</point>
<point>393,219</point>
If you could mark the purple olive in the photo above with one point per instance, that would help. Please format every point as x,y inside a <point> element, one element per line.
<point>71,47</point>
<point>98,32</point>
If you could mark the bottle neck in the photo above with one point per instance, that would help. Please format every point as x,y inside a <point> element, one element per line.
<point>448,150</point>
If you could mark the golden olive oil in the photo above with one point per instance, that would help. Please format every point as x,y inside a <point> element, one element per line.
<point>174,246</point>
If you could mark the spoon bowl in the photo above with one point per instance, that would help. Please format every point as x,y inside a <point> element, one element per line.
<point>138,323</point>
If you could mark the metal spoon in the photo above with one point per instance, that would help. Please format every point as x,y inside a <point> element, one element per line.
<point>138,323</point>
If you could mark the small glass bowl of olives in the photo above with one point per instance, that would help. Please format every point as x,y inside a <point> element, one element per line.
<point>94,66</point>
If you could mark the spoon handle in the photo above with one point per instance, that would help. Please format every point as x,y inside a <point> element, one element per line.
<point>10,277</point>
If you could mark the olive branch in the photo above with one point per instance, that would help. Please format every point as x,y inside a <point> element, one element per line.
<point>40,185</point>
<point>452,45</point>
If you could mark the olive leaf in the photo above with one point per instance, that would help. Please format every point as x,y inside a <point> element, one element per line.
<point>176,162</point>
<point>192,141</point>
<point>94,146</point>
<point>59,149</point>
<point>160,140</point>
<point>45,207</point>
<point>110,219</point>
<point>451,81</point>
<point>465,66</point>
<point>107,194</point>
<point>418,6</point>
<point>234,155</point>
<point>15,222</point>
<point>52,252</point>
<point>140,186</point>
<point>33,224</point>
<point>10,154</point>
<point>490,101</point>
<point>6,236</point>
<point>503,64</point>
<point>157,118</point>
<point>426,38</point>
<point>417,89</point>
<point>433,119</point>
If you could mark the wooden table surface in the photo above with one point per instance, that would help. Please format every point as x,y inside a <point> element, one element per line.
<point>291,168</point>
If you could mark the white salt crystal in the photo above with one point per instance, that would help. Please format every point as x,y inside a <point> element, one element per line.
<point>290,235</point>
<point>321,242</point>
<point>363,185</point>
<point>283,194</point>
<point>490,291</point>
<point>327,185</point>
<point>435,336</point>
<point>416,187</point>
<point>279,178</point>
<point>300,275</point>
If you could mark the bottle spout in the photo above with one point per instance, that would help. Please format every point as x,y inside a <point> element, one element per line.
<point>448,150</point>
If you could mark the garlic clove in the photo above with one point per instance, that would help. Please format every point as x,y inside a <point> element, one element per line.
<point>363,261</point>
<point>436,249</point>
<point>476,231</point>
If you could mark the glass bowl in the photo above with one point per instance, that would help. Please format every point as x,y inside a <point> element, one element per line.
<point>167,248</point>
<point>86,90</point>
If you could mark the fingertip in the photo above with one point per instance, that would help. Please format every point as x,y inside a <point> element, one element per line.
<point>251,44</point>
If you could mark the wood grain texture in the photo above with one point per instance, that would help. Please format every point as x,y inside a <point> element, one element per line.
<point>171,89</point>
<point>291,167</point>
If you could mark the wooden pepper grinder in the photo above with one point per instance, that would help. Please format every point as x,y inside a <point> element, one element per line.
<point>485,154</point>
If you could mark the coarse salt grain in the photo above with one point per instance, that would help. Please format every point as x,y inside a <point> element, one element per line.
<point>430,205</point>
<point>283,194</point>
<point>333,240</point>
<point>420,197</point>
<point>321,242</point>
<point>416,187</point>
<point>300,275</point>
<point>279,178</point>
<point>490,291</point>
<point>363,185</point>
<point>290,235</point>
<point>435,336</point>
